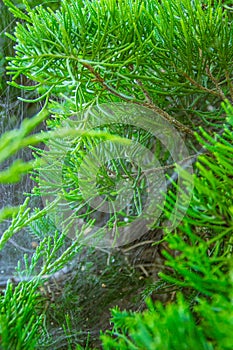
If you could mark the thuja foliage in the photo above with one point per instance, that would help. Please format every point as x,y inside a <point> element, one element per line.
<point>175,58</point>
<point>21,320</point>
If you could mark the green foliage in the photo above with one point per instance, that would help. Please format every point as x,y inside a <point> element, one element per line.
<point>57,173</point>
<point>21,321</point>
<point>175,55</point>
<point>207,226</point>
<point>173,327</point>
<point>176,58</point>
<point>203,246</point>
<point>10,143</point>
<point>48,256</point>
<point>202,263</point>
<point>170,327</point>
<point>14,140</point>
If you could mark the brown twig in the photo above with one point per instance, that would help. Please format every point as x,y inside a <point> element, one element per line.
<point>150,105</point>
<point>145,92</point>
<point>216,83</point>
<point>181,127</point>
<point>195,83</point>
<point>100,80</point>
<point>172,166</point>
<point>230,84</point>
<point>125,250</point>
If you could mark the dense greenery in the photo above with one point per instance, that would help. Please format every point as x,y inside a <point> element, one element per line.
<point>204,265</point>
<point>176,59</point>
